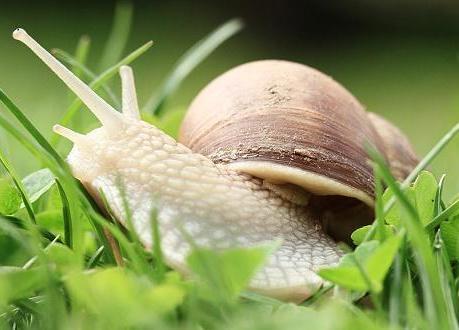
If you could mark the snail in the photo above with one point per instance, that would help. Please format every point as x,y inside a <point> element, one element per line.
<point>266,151</point>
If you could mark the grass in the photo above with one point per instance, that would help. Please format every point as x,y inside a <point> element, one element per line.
<point>65,265</point>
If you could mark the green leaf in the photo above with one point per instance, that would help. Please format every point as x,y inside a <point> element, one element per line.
<point>425,191</point>
<point>165,297</point>
<point>421,195</point>
<point>10,198</point>
<point>120,299</point>
<point>17,283</point>
<point>358,236</point>
<point>38,183</point>
<point>393,216</point>
<point>228,272</point>
<point>51,220</point>
<point>53,200</point>
<point>65,259</point>
<point>375,259</point>
<point>449,234</point>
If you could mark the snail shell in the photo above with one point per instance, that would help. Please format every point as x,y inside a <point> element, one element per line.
<point>289,123</point>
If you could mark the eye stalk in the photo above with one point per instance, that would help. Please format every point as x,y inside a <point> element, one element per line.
<point>76,138</point>
<point>129,95</point>
<point>109,117</point>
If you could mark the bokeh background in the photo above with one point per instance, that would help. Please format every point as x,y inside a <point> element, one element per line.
<point>399,58</point>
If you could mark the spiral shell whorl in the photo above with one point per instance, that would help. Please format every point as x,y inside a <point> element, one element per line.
<point>286,115</point>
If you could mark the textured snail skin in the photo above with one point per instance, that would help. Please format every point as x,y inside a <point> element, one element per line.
<point>216,207</point>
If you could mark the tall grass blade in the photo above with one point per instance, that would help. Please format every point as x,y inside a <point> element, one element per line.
<point>85,71</point>
<point>436,149</point>
<point>132,232</point>
<point>81,54</point>
<point>160,268</point>
<point>448,285</point>
<point>188,62</point>
<point>438,206</point>
<point>33,148</point>
<point>66,216</point>
<point>27,124</point>
<point>136,259</point>
<point>95,258</point>
<point>453,208</point>
<point>119,34</point>
<point>379,207</point>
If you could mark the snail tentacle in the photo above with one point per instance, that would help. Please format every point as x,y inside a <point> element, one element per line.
<point>75,137</point>
<point>129,94</point>
<point>109,117</point>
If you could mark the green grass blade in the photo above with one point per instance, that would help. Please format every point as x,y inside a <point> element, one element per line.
<point>119,34</point>
<point>94,260</point>
<point>33,148</point>
<point>448,285</point>
<point>69,184</point>
<point>428,158</point>
<point>13,232</point>
<point>395,303</point>
<point>443,215</point>
<point>66,216</point>
<point>379,207</point>
<point>438,198</point>
<point>262,299</point>
<point>188,62</point>
<point>318,296</point>
<point>437,148</point>
<point>88,209</point>
<point>160,268</point>
<point>81,54</point>
<point>85,71</point>
<point>142,264</point>
<point>136,259</point>
<point>27,124</point>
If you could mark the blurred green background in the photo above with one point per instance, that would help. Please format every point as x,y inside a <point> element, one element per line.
<point>399,58</point>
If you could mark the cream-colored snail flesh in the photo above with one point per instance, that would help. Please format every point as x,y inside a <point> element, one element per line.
<point>271,150</point>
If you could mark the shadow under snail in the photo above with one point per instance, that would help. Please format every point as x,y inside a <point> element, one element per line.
<point>270,150</point>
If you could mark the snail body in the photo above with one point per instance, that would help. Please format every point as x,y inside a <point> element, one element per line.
<point>222,188</point>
